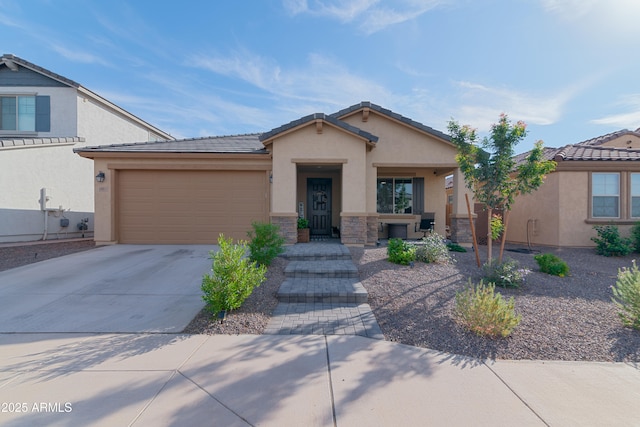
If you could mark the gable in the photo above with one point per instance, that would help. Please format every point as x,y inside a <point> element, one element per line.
<point>25,77</point>
<point>629,140</point>
<point>402,143</point>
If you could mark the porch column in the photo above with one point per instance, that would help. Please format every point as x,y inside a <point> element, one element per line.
<point>460,226</point>
<point>353,218</point>
<point>283,198</point>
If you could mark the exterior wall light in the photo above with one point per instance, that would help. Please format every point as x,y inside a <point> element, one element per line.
<point>100,177</point>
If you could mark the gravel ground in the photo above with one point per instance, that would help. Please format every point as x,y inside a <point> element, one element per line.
<point>570,318</point>
<point>16,255</point>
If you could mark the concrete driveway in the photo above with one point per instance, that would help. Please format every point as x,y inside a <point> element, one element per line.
<point>121,288</point>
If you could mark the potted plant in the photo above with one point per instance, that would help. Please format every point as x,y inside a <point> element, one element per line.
<point>303,230</point>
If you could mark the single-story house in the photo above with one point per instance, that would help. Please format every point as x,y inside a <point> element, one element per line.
<point>47,189</point>
<point>362,173</point>
<point>596,182</point>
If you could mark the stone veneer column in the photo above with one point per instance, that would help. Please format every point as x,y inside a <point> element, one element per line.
<point>353,229</point>
<point>372,230</point>
<point>461,229</point>
<point>288,224</point>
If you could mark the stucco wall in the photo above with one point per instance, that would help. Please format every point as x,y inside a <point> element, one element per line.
<point>306,146</point>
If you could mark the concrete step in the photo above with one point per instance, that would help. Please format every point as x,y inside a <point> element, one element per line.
<point>316,251</point>
<point>327,269</point>
<point>313,289</point>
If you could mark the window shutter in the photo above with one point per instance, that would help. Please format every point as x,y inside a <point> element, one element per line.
<point>418,196</point>
<point>43,114</point>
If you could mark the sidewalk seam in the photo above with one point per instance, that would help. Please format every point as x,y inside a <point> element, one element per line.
<point>333,402</point>
<point>515,393</point>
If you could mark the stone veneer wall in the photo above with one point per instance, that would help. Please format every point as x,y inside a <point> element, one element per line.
<point>288,227</point>
<point>372,230</point>
<point>353,230</point>
<point>461,230</point>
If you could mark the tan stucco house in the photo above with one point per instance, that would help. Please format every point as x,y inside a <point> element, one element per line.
<point>362,174</point>
<point>596,182</point>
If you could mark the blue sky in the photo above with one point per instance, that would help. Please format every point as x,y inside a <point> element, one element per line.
<point>569,68</point>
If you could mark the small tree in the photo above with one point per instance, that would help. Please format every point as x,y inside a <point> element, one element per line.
<point>493,175</point>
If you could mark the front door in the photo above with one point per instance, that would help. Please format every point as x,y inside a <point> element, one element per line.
<point>319,205</point>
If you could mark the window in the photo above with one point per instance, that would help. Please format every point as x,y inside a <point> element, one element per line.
<point>18,113</point>
<point>635,195</point>
<point>395,195</point>
<point>605,190</point>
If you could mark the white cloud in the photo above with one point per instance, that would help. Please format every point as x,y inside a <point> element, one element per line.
<point>322,81</point>
<point>372,15</point>
<point>76,55</point>
<point>629,119</point>
<point>482,104</point>
<point>603,20</point>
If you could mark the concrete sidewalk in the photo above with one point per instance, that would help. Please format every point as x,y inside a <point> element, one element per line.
<point>273,380</point>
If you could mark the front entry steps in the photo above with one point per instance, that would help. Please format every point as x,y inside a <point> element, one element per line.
<point>322,294</point>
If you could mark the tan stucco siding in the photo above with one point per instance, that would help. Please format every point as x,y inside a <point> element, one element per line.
<point>534,217</point>
<point>401,144</point>
<point>624,141</point>
<point>307,147</point>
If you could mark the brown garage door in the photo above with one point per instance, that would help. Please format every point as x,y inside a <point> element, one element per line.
<point>178,207</point>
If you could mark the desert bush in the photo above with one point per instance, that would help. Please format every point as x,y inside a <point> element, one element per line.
<point>265,242</point>
<point>454,247</point>
<point>400,252</point>
<point>610,243</point>
<point>635,236</point>
<point>233,277</point>
<point>433,249</point>
<point>551,264</point>
<point>484,312</point>
<point>507,274</point>
<point>626,296</point>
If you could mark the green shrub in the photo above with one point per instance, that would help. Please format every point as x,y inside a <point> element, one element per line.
<point>400,252</point>
<point>303,223</point>
<point>433,249</point>
<point>507,274</point>
<point>454,247</point>
<point>635,236</point>
<point>551,264</point>
<point>233,277</point>
<point>626,296</point>
<point>484,312</point>
<point>610,243</point>
<point>266,242</point>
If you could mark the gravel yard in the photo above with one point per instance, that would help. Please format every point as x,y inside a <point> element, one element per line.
<point>570,318</point>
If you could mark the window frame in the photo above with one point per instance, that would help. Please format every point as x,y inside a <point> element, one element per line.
<point>393,179</point>
<point>631,195</point>
<point>32,116</point>
<point>593,195</point>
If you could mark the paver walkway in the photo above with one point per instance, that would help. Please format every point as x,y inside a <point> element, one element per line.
<point>322,294</point>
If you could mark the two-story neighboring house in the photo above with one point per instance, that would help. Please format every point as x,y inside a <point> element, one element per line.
<point>46,191</point>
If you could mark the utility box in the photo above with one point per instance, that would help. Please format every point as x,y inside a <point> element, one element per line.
<point>64,222</point>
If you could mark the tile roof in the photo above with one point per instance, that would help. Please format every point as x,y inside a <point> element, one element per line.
<point>579,152</point>
<point>247,143</point>
<point>28,142</point>
<point>590,150</point>
<point>319,116</point>
<point>599,140</point>
<point>391,114</point>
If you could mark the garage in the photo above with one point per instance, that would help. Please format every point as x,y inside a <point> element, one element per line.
<point>189,206</point>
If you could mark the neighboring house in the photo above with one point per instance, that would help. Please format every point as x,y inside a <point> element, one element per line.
<point>363,173</point>
<point>47,189</point>
<point>596,182</point>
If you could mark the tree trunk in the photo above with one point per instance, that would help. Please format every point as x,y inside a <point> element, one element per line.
<point>489,237</point>
<point>473,230</point>
<point>505,223</point>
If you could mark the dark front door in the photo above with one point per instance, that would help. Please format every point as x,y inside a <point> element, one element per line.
<point>319,205</point>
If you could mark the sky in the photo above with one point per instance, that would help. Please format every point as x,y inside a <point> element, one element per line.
<point>568,68</point>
